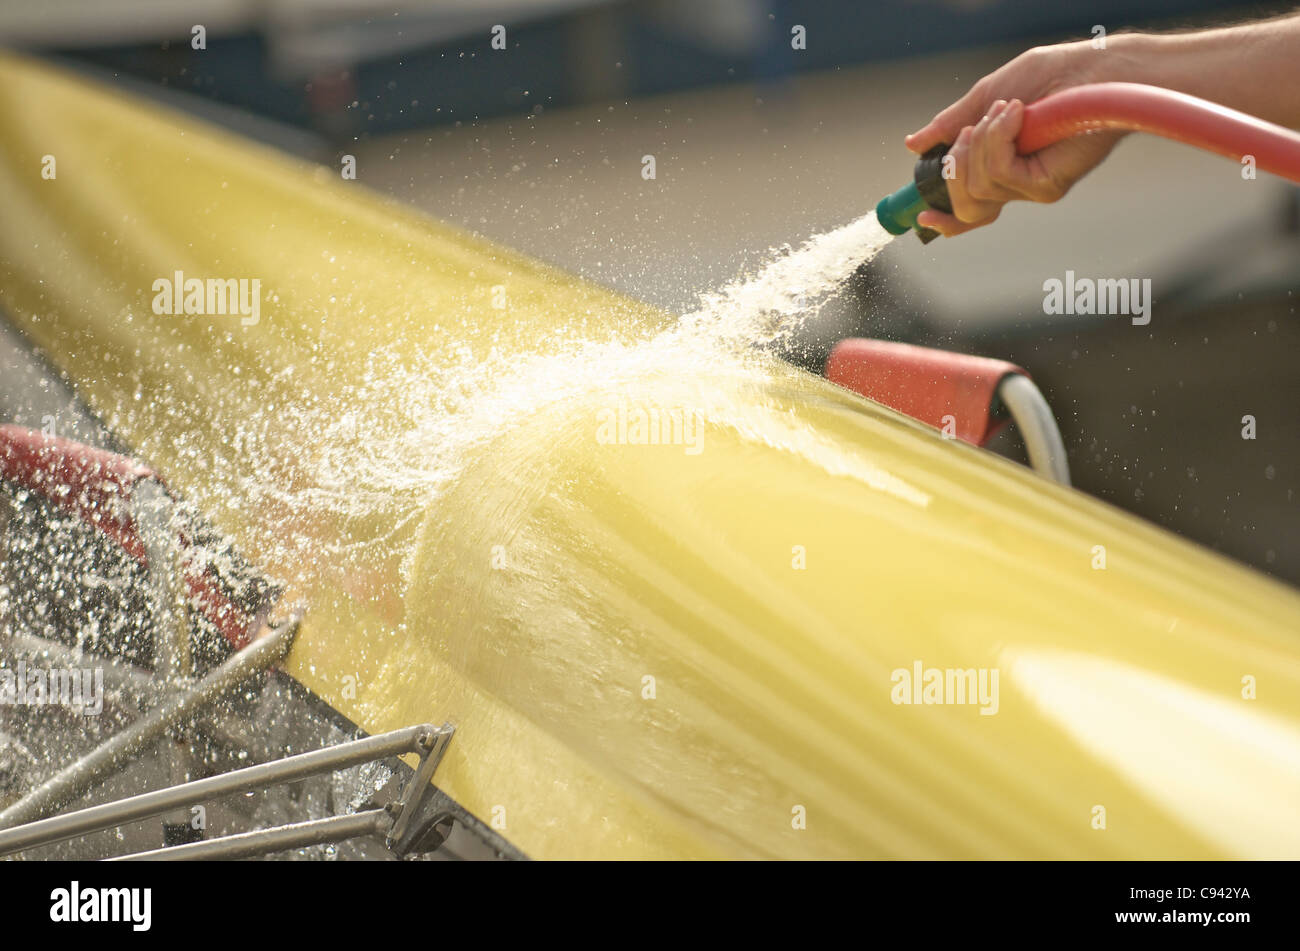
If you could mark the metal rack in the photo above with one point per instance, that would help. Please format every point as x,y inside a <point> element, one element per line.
<point>131,506</point>
<point>395,823</point>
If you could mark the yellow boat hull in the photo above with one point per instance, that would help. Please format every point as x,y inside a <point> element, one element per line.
<point>717,646</point>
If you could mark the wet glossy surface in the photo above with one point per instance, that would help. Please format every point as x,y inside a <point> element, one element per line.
<point>475,547</point>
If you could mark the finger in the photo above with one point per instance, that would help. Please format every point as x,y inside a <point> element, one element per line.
<point>1010,121</point>
<point>950,226</point>
<point>965,206</point>
<point>1030,176</point>
<point>974,185</point>
<point>990,149</point>
<point>975,182</point>
<point>947,225</point>
<point>958,197</point>
<point>947,125</point>
<point>1000,159</point>
<point>927,137</point>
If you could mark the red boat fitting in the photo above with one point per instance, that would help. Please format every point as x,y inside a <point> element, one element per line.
<point>128,503</point>
<point>965,397</point>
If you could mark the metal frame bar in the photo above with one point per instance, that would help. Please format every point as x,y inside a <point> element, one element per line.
<point>422,739</point>
<point>177,697</point>
<point>154,511</point>
<point>151,506</point>
<point>265,841</point>
<point>80,775</point>
<point>420,783</point>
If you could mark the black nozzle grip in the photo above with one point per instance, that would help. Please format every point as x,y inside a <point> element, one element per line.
<point>929,179</point>
<point>933,187</point>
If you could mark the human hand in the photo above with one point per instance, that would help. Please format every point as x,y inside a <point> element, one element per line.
<point>982,127</point>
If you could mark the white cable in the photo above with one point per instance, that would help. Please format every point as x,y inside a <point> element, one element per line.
<point>1037,427</point>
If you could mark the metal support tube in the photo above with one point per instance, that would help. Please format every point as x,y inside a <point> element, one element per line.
<point>79,776</point>
<point>1037,427</point>
<point>266,841</point>
<point>152,509</point>
<point>173,665</point>
<point>418,786</point>
<point>412,739</point>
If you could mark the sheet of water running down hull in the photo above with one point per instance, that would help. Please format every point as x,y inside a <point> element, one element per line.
<point>702,648</point>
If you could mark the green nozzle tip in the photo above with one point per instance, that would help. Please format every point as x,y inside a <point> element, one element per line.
<point>897,212</point>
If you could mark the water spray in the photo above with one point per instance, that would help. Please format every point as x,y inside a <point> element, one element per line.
<point>1131,107</point>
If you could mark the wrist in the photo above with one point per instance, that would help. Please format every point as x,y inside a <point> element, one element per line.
<point>1132,58</point>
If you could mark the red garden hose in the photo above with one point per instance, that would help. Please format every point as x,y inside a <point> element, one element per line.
<point>1163,112</point>
<point>1128,106</point>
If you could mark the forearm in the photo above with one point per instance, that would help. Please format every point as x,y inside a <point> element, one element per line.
<point>1254,68</point>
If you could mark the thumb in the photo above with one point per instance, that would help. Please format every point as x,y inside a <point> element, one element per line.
<point>947,125</point>
<point>931,134</point>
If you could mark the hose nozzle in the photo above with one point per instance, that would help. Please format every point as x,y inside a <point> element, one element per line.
<point>928,189</point>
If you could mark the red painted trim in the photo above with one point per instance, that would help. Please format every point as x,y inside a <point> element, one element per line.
<point>95,485</point>
<point>924,383</point>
